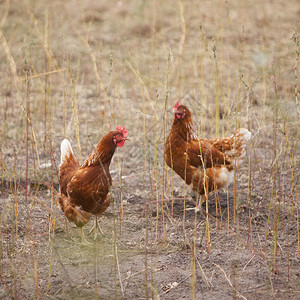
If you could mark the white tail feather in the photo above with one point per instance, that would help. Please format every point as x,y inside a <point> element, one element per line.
<point>240,138</point>
<point>243,133</point>
<point>65,149</point>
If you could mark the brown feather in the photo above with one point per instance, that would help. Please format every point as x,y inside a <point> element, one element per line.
<point>84,189</point>
<point>207,164</point>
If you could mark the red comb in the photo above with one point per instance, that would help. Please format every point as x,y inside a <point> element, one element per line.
<point>177,104</point>
<point>122,130</point>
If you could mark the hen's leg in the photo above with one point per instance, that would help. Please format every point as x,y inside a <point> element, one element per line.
<point>202,199</point>
<point>96,228</point>
<point>198,200</point>
<point>84,241</point>
<point>102,209</point>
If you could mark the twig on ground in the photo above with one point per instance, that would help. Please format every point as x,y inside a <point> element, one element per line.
<point>228,280</point>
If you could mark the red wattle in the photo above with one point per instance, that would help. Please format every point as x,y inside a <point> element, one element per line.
<point>120,144</point>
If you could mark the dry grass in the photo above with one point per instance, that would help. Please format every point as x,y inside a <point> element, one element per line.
<point>76,69</point>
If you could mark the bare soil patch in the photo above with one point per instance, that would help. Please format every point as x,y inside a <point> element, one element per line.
<point>76,69</point>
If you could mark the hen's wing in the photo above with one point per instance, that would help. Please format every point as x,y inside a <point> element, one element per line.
<point>89,187</point>
<point>68,165</point>
<point>207,154</point>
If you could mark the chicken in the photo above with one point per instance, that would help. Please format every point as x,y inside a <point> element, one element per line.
<point>205,164</point>
<point>84,189</point>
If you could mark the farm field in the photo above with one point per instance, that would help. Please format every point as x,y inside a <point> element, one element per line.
<point>77,69</point>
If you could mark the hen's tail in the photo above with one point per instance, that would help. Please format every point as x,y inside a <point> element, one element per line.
<point>73,213</point>
<point>238,143</point>
<point>66,151</point>
<point>233,146</point>
<point>67,157</point>
<point>68,165</point>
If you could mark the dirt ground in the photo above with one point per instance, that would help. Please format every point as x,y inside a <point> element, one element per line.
<point>111,63</point>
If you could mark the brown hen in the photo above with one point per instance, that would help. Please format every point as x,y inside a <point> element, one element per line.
<point>84,189</point>
<point>205,164</point>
